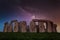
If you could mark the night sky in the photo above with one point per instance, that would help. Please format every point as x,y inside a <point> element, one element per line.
<point>25,9</point>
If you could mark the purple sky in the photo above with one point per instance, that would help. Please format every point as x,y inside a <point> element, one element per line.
<point>25,9</point>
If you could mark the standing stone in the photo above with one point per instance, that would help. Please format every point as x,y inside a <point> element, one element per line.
<point>10,28</point>
<point>23,26</point>
<point>15,26</point>
<point>49,26</point>
<point>32,27</point>
<point>6,27</point>
<point>19,28</point>
<point>54,28</point>
<point>41,27</point>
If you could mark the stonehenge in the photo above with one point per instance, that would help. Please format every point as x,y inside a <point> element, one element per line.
<point>6,25</point>
<point>54,28</point>
<point>14,25</point>
<point>36,25</point>
<point>23,26</point>
<point>10,28</point>
<point>32,27</point>
<point>41,27</point>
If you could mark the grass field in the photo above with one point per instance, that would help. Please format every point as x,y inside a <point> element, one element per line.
<point>29,36</point>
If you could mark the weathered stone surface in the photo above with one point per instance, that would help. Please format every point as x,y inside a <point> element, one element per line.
<point>16,26</point>
<point>19,28</point>
<point>54,28</point>
<point>23,26</point>
<point>32,27</point>
<point>49,26</point>
<point>36,25</point>
<point>6,27</point>
<point>10,28</point>
<point>41,27</point>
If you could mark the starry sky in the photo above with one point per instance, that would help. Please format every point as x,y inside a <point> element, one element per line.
<point>25,9</point>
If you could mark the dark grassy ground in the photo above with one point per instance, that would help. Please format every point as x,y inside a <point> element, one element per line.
<point>29,36</point>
